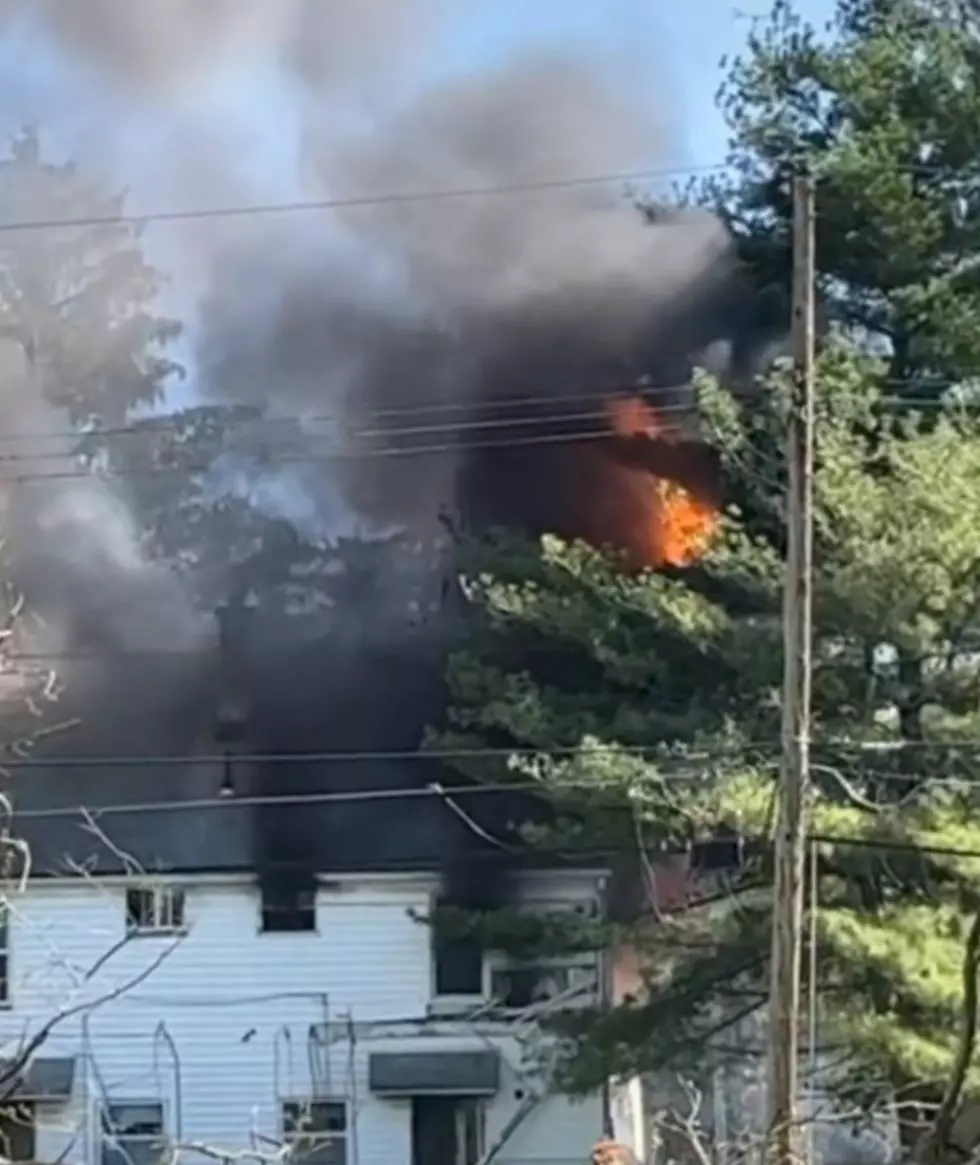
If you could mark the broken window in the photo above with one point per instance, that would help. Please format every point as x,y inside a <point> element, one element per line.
<point>287,906</point>
<point>132,1133</point>
<point>315,1131</point>
<point>458,962</point>
<point>154,910</point>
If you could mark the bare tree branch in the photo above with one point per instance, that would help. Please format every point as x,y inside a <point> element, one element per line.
<point>12,1070</point>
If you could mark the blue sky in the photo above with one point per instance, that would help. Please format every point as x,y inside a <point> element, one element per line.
<point>680,45</point>
<point>674,47</point>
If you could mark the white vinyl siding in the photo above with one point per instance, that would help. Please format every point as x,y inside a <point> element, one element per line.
<point>221,1024</point>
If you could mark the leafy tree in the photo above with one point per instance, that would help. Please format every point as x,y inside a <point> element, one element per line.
<point>645,711</point>
<point>79,299</point>
<point>884,105</point>
<point>194,478</point>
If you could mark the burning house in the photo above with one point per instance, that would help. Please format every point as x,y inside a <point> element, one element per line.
<point>236,845</point>
<point>234,842</point>
<point>249,826</point>
<point>234,852</point>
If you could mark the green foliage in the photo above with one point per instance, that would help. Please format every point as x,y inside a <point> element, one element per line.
<point>884,104</point>
<point>79,299</point>
<point>645,709</point>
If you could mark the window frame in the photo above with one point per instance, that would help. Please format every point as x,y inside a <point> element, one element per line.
<point>496,962</point>
<point>5,992</point>
<point>25,1117</point>
<point>585,964</point>
<point>113,1146</point>
<point>312,1102</point>
<point>163,896</point>
<point>267,911</point>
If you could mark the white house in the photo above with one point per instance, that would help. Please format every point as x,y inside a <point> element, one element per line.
<point>179,1014</point>
<point>223,948</point>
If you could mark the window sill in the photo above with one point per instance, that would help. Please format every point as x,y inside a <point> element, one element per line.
<point>158,932</point>
<point>456,1004</point>
<point>287,933</point>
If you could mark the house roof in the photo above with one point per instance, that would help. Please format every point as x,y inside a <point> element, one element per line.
<point>119,792</point>
<point>126,817</point>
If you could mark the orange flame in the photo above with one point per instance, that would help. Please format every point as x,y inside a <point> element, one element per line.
<point>676,525</point>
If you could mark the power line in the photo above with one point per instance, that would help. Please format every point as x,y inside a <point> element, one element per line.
<point>655,752</point>
<point>166,423</point>
<point>446,793</point>
<point>394,198</point>
<point>389,432</point>
<point>304,206</point>
<point>174,422</point>
<point>605,434</point>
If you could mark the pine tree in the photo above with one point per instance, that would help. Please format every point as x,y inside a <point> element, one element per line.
<point>884,103</point>
<point>645,711</point>
<point>79,298</point>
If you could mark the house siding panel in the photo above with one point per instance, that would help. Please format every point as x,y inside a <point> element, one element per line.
<point>222,1024</point>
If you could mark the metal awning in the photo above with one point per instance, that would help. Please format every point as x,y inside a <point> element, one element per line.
<point>434,1073</point>
<point>46,1078</point>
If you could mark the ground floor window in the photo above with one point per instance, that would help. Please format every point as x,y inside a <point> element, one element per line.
<point>316,1131</point>
<point>132,1133</point>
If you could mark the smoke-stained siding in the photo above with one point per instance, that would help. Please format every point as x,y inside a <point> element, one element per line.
<point>238,1006</point>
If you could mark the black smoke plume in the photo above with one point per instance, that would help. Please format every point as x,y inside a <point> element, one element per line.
<point>466,306</point>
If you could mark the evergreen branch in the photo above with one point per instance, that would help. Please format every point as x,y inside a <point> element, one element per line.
<point>938,1136</point>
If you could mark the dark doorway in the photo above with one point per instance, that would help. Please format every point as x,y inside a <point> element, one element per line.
<point>447,1130</point>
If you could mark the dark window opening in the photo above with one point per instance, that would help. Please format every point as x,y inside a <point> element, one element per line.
<point>458,964</point>
<point>154,910</point>
<point>315,1131</point>
<point>287,906</point>
<point>4,955</point>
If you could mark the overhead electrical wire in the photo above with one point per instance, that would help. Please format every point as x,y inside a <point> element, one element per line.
<point>392,198</point>
<point>160,425</point>
<point>605,434</point>
<point>165,423</point>
<point>409,197</point>
<point>570,752</point>
<point>450,793</point>
<point>388,432</point>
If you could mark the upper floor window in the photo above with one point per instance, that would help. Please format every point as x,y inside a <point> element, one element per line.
<point>521,984</point>
<point>457,962</point>
<point>154,909</point>
<point>288,902</point>
<point>315,1131</point>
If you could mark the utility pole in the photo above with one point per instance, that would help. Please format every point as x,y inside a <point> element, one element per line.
<point>790,847</point>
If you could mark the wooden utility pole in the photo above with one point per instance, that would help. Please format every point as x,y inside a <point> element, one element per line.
<point>790,848</point>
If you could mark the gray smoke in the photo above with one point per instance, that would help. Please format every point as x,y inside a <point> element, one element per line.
<point>452,303</point>
<point>71,541</point>
<point>458,302</point>
<point>357,318</point>
<point>170,48</point>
